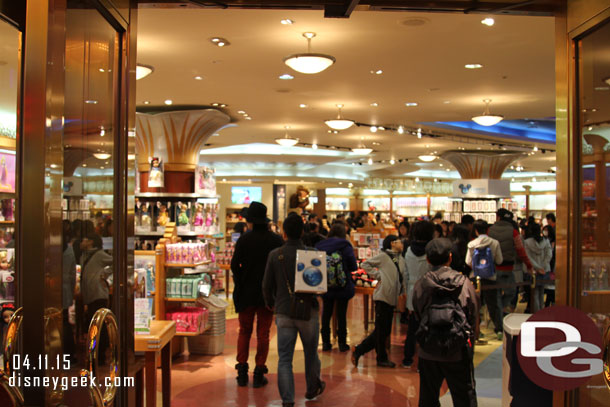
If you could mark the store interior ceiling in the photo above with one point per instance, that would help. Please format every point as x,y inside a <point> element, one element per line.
<point>385,63</point>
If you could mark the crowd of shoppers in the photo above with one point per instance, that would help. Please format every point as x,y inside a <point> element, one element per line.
<point>431,263</point>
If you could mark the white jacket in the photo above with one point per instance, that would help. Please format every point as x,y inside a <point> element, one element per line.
<point>383,268</point>
<point>484,241</point>
<point>540,253</point>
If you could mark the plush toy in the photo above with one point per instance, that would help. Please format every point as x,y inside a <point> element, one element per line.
<point>299,200</point>
<point>198,221</point>
<point>163,217</point>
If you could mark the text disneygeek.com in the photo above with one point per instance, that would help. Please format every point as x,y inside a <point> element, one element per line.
<point>64,383</point>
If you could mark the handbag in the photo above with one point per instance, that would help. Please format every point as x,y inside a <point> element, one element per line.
<point>300,306</point>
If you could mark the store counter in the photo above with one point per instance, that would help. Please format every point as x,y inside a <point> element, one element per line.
<point>159,340</point>
<point>367,295</point>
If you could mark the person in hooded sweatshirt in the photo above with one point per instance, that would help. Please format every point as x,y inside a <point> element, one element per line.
<point>488,293</point>
<point>338,296</point>
<point>540,253</point>
<point>417,266</point>
<point>388,267</point>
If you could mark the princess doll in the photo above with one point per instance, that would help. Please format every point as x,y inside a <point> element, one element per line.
<point>198,216</point>
<point>145,217</point>
<point>183,218</point>
<point>163,217</point>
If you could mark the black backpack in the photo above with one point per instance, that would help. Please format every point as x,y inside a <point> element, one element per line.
<point>443,329</point>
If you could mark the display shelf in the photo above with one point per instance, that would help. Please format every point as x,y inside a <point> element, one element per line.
<point>187,265</point>
<point>182,234</point>
<point>596,292</point>
<point>188,333</point>
<point>171,195</point>
<point>173,299</point>
<point>224,266</point>
<point>7,222</point>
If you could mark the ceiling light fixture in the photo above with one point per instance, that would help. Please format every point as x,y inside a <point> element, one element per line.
<point>392,161</point>
<point>362,149</point>
<point>370,161</point>
<point>411,104</point>
<point>198,78</point>
<point>142,71</point>
<point>488,21</point>
<point>308,62</point>
<point>373,129</point>
<point>287,21</point>
<point>339,123</point>
<point>314,146</point>
<point>286,77</point>
<point>286,141</point>
<point>168,102</point>
<point>147,102</point>
<point>220,42</point>
<point>401,130</point>
<point>473,66</point>
<point>427,157</point>
<point>376,71</point>
<point>374,104</point>
<point>487,119</point>
<point>303,106</point>
<point>418,133</point>
<point>102,156</point>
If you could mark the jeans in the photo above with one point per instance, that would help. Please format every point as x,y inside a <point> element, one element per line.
<point>264,318</point>
<point>327,314</point>
<point>384,314</point>
<point>410,340</point>
<point>459,376</point>
<point>538,297</point>
<point>506,294</point>
<point>491,298</point>
<point>287,330</point>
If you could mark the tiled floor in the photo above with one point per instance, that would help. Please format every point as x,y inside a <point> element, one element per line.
<point>210,380</point>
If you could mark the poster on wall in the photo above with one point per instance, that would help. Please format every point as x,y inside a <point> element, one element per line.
<point>155,174</point>
<point>279,202</point>
<point>205,182</point>
<point>7,172</point>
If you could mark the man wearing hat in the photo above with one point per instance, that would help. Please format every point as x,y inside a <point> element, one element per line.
<point>248,266</point>
<point>506,232</point>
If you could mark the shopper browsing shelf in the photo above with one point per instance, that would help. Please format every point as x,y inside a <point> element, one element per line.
<point>342,261</point>
<point>248,267</point>
<point>445,305</point>
<point>417,266</point>
<point>278,291</point>
<point>389,268</point>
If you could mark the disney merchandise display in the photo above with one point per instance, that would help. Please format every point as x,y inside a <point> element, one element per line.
<point>186,253</point>
<point>189,319</point>
<point>155,174</point>
<point>7,275</point>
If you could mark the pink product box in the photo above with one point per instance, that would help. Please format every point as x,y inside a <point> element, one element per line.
<point>186,253</point>
<point>189,319</point>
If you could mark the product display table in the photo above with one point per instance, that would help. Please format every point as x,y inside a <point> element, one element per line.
<point>159,340</point>
<point>367,295</point>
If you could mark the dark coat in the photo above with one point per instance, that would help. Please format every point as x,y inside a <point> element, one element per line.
<point>344,247</point>
<point>248,266</point>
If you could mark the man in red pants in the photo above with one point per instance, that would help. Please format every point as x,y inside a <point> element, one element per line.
<point>248,266</point>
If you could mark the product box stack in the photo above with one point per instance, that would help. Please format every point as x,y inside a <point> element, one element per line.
<point>189,319</point>
<point>212,341</point>
<point>224,257</point>
<point>187,286</point>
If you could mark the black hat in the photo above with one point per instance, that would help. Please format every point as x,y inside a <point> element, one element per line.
<point>438,251</point>
<point>257,213</point>
<point>505,214</point>
<point>387,242</point>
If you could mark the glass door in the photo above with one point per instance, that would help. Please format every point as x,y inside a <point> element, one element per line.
<point>593,75</point>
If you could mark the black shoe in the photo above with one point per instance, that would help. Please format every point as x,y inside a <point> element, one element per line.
<point>242,374</point>
<point>343,347</point>
<point>355,357</point>
<point>406,364</point>
<point>386,363</point>
<point>317,392</point>
<point>287,404</point>
<point>327,347</point>
<point>259,379</point>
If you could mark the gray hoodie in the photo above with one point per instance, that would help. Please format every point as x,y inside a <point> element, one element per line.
<point>383,268</point>
<point>417,266</point>
<point>540,253</point>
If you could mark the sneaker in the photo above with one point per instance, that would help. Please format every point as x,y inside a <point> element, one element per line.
<point>327,347</point>
<point>343,347</point>
<point>355,357</point>
<point>386,363</point>
<point>317,392</point>
<point>406,365</point>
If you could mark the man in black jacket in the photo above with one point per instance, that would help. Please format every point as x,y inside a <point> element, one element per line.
<point>248,266</point>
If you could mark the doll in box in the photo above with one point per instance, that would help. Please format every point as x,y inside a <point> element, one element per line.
<point>183,218</point>
<point>163,216</point>
<point>198,221</point>
<point>145,219</point>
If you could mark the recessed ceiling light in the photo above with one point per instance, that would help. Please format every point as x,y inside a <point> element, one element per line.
<point>198,78</point>
<point>286,77</point>
<point>303,106</point>
<point>374,104</point>
<point>241,112</point>
<point>376,71</point>
<point>91,102</point>
<point>168,102</point>
<point>376,143</point>
<point>373,129</point>
<point>147,102</point>
<point>102,70</point>
<point>411,104</point>
<point>248,118</point>
<point>427,157</point>
<point>215,104</point>
<point>84,165</point>
<point>223,105</point>
<point>370,161</point>
<point>473,66</point>
<point>447,102</point>
<point>287,21</point>
<point>215,135</point>
<point>488,21</point>
<point>314,146</point>
<point>392,161</point>
<point>220,42</point>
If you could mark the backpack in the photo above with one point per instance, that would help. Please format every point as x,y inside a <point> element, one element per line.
<point>443,329</point>
<point>335,275</point>
<point>483,262</point>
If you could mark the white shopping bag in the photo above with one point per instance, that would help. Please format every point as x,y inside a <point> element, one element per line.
<point>310,272</point>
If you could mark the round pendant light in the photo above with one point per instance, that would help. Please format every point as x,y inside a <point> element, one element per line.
<point>339,123</point>
<point>287,141</point>
<point>427,157</point>
<point>362,150</point>
<point>102,156</point>
<point>487,119</point>
<point>309,62</point>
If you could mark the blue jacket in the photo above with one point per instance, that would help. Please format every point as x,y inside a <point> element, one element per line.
<point>344,247</point>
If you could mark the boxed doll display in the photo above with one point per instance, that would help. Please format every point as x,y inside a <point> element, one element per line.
<point>189,319</point>
<point>186,253</point>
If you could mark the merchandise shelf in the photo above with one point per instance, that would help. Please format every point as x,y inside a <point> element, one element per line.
<point>187,265</point>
